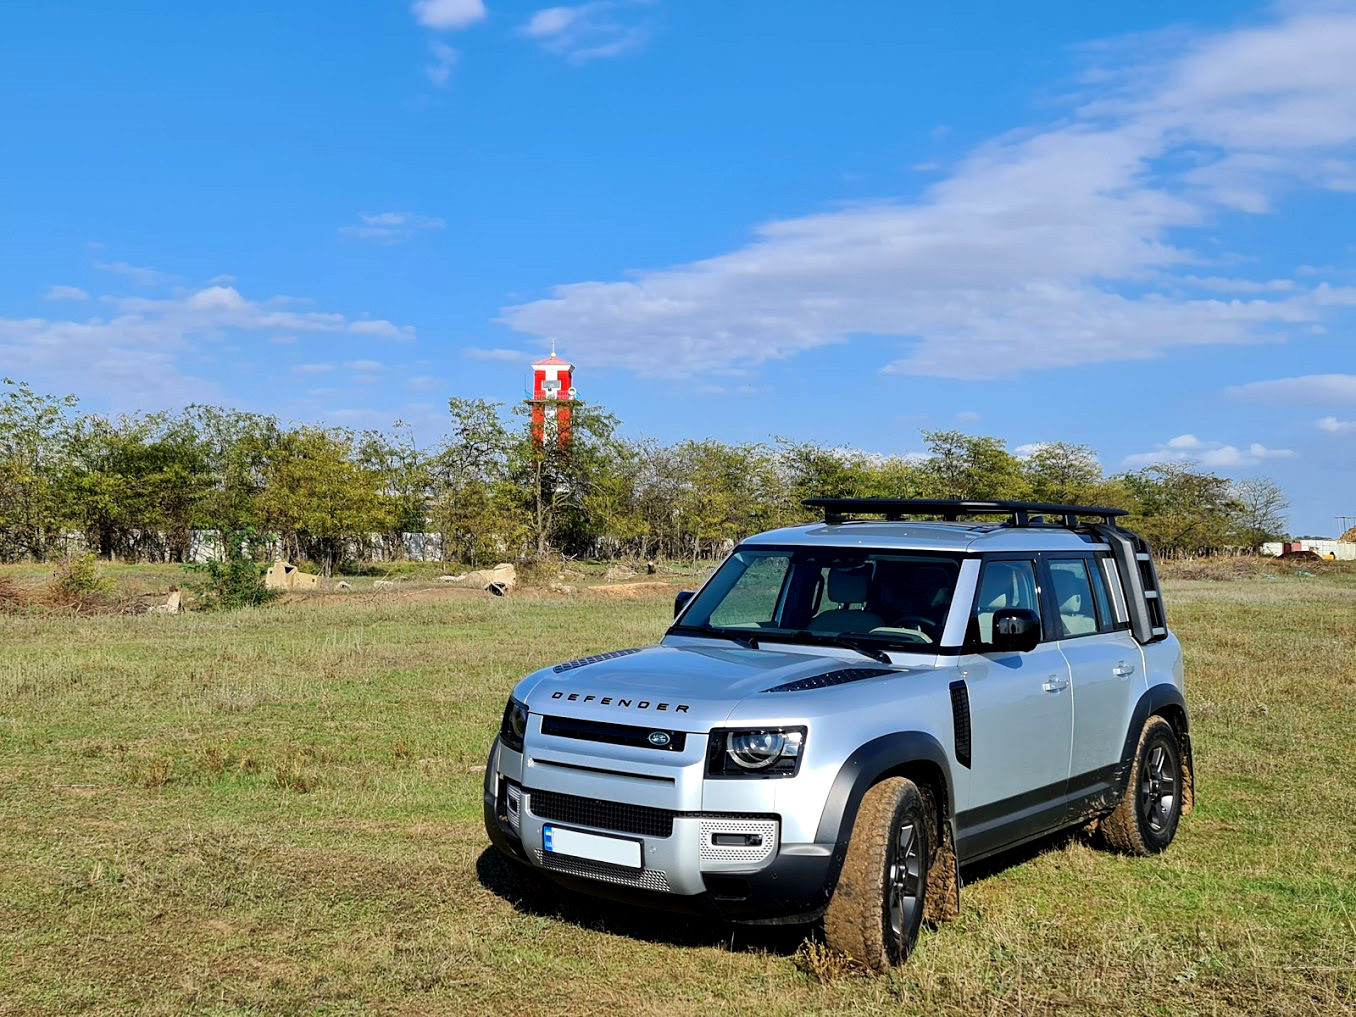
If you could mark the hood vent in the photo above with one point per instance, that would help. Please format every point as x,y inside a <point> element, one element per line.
<point>831,678</point>
<point>585,661</point>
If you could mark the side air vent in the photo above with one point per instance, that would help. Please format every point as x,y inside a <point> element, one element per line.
<point>585,661</point>
<point>960,720</point>
<point>831,678</point>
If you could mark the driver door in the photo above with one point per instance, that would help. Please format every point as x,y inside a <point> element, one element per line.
<point>1021,709</point>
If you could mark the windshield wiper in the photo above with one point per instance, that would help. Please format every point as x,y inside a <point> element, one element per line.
<point>748,642</point>
<point>862,646</point>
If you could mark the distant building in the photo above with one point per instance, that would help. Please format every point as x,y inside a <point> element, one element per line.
<point>552,401</point>
<point>1339,550</point>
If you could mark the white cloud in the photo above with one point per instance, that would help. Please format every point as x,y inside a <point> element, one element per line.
<point>444,59</point>
<point>1050,247</point>
<point>312,368</point>
<point>446,15</point>
<point>380,327</point>
<point>508,356</point>
<point>1184,441</point>
<point>391,227</point>
<point>1334,426</point>
<point>136,274</point>
<point>65,293</point>
<point>1213,455</point>
<point>141,350</point>
<point>364,365</point>
<point>588,31</point>
<point>1306,389</point>
<point>725,390</point>
<point>966,417</point>
<point>423,383</point>
<point>1222,284</point>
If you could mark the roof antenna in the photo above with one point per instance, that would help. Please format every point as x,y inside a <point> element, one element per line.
<point>553,346</point>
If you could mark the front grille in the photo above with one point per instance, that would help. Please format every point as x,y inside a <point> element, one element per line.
<point>614,734</point>
<point>615,816</point>
<point>831,678</point>
<point>646,879</point>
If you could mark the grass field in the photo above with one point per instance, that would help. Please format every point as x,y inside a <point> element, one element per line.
<point>278,811</point>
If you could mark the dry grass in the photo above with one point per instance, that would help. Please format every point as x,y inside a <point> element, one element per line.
<point>157,854</point>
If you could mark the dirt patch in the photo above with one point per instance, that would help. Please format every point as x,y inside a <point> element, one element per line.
<point>424,595</point>
<point>628,591</point>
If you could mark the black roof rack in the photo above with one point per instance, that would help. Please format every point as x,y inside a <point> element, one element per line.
<point>1019,513</point>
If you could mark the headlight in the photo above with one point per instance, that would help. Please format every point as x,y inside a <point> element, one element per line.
<point>765,752</point>
<point>514,725</point>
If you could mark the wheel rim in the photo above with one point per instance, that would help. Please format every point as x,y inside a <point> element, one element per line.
<point>1158,788</point>
<point>904,882</point>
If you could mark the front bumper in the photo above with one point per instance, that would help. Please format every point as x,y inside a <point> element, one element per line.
<point>682,870</point>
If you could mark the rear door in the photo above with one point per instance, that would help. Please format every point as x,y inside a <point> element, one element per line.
<point>1105,662</point>
<point>1021,718</point>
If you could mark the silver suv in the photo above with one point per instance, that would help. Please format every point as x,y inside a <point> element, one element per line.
<point>848,712</point>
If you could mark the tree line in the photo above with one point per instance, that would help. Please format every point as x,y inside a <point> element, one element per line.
<point>138,487</point>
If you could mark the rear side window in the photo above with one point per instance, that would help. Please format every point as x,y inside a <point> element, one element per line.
<point>1003,584</point>
<point>1074,597</point>
<point>1106,621</point>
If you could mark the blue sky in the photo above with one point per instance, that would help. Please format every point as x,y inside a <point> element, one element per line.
<point>842,222</point>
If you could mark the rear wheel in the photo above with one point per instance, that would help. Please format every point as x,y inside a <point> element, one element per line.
<point>1145,820</point>
<point>877,908</point>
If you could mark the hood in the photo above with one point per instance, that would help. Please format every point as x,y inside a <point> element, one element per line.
<point>688,687</point>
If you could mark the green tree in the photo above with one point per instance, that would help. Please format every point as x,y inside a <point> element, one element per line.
<point>405,481</point>
<point>34,438</point>
<point>558,476</point>
<point>476,507</point>
<point>320,497</point>
<point>971,467</point>
<point>1179,509</point>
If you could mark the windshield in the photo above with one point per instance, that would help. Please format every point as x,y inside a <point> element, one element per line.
<point>827,595</point>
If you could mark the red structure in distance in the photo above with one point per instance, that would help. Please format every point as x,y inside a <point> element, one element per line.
<point>553,399</point>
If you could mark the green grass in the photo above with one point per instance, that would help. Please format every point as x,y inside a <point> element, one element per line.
<point>278,811</point>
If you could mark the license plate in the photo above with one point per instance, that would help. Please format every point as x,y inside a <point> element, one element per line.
<point>576,844</point>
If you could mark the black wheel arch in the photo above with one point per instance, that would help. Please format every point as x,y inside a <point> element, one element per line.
<point>1163,700</point>
<point>912,754</point>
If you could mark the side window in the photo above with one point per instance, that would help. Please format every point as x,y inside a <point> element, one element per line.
<point>1106,621</point>
<point>1003,584</point>
<point>752,601</point>
<point>1073,597</point>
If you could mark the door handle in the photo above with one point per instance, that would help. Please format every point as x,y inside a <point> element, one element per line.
<point>1055,684</point>
<point>1123,670</point>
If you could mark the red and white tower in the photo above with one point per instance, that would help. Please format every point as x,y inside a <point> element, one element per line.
<point>553,397</point>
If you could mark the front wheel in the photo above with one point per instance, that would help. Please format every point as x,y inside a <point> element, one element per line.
<point>1145,821</point>
<point>877,908</point>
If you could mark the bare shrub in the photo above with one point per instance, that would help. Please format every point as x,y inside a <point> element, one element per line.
<point>290,773</point>
<point>11,600</point>
<point>157,773</point>
<point>818,961</point>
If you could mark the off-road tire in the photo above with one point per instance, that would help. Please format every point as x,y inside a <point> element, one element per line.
<point>860,921</point>
<point>1145,820</point>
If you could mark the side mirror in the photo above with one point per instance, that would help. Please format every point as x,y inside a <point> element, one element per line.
<point>1016,629</point>
<point>680,601</point>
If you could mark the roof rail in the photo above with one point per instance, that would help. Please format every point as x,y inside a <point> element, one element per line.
<point>1019,513</point>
